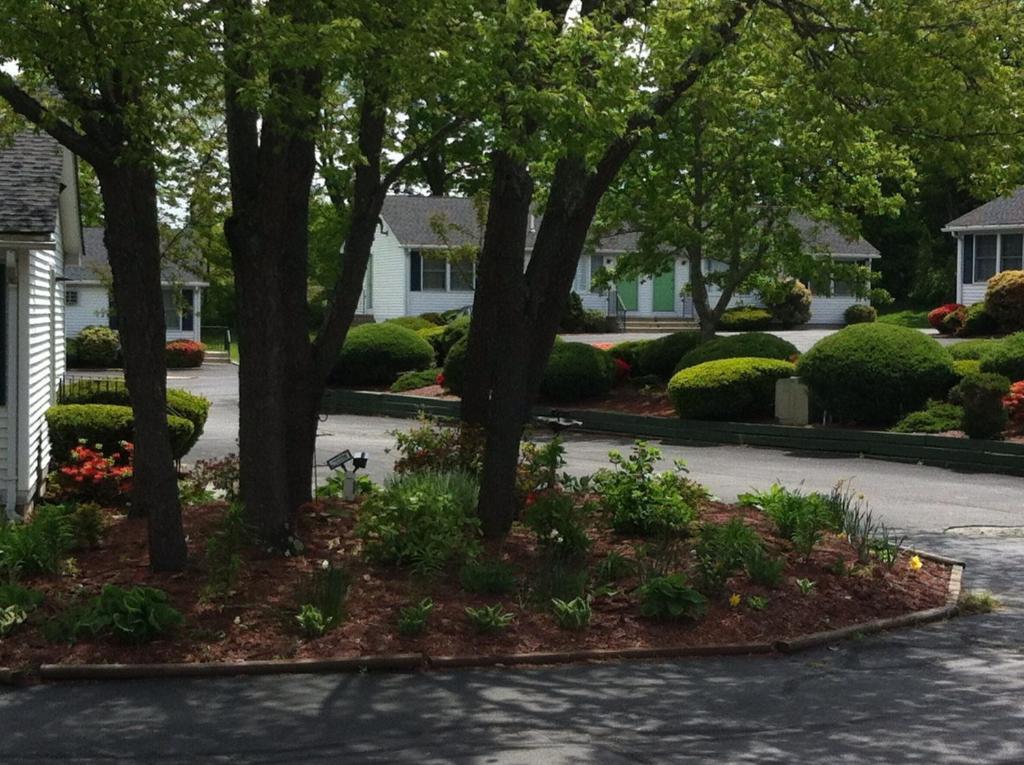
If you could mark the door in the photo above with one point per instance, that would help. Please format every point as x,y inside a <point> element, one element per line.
<point>665,291</point>
<point>627,291</point>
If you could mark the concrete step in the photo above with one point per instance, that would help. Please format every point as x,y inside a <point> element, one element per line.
<point>217,357</point>
<point>659,325</point>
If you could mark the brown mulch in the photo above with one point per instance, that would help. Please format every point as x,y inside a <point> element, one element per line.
<point>257,621</point>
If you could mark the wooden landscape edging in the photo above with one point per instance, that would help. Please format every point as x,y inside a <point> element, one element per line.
<point>940,451</point>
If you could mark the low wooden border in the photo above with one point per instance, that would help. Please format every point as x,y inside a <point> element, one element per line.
<point>940,451</point>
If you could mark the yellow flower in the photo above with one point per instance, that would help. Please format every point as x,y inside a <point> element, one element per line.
<point>915,563</point>
<point>734,599</point>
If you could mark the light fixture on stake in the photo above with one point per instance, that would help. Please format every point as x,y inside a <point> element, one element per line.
<point>349,463</point>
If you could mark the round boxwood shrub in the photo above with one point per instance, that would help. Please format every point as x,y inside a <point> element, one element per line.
<point>975,321</point>
<point>415,323</point>
<point>454,331</point>
<point>970,349</point>
<point>728,389</point>
<point>629,351</point>
<point>376,354</point>
<point>433,336</point>
<point>860,313</point>
<point>97,347</point>
<point>964,367</point>
<point>937,316</point>
<point>789,303</point>
<point>577,371</point>
<point>659,357</point>
<point>455,366</point>
<point>876,373</point>
<point>982,395</point>
<point>107,425</point>
<point>953,321</point>
<point>759,345</point>
<point>184,354</point>
<point>180,403</point>
<point>1004,300</point>
<point>1005,357</point>
<point>745,319</point>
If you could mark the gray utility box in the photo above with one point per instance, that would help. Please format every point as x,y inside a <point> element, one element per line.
<point>792,402</point>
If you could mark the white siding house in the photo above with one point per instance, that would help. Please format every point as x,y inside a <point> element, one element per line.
<point>410,274</point>
<point>87,292</point>
<point>989,240</point>
<point>39,228</point>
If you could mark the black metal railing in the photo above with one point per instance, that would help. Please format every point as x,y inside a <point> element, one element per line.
<point>617,309</point>
<point>87,387</point>
<point>217,337</point>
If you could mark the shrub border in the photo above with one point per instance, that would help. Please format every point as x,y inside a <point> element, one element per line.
<point>938,451</point>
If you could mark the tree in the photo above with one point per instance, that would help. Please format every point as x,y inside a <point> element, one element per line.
<point>106,80</point>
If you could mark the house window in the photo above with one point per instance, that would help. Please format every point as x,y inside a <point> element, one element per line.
<point>463,275</point>
<point>984,257</point>
<point>435,274</point>
<point>178,310</point>
<point>1012,256</point>
<point>968,274</point>
<point>71,297</point>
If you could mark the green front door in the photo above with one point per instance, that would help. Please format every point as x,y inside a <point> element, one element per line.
<point>627,290</point>
<point>665,291</point>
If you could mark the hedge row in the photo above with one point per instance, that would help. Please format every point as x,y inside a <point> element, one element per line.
<point>107,425</point>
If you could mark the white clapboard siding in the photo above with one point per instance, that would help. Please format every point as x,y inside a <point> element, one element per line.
<point>92,309</point>
<point>974,293</point>
<point>389,276</point>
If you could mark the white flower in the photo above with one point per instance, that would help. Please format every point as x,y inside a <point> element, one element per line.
<point>325,564</point>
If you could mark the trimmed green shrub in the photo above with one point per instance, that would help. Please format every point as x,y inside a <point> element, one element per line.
<point>964,367</point>
<point>576,371</point>
<point>629,351</point>
<point>982,398</point>
<point>414,380</point>
<point>105,424</point>
<point>876,373</point>
<point>937,316</point>
<point>455,366</point>
<point>1005,357</point>
<point>434,318</point>
<point>953,321</point>
<point>659,357</point>
<point>860,313</point>
<point>936,417</point>
<point>745,318</point>
<point>454,331</point>
<point>1004,300</point>
<point>375,354</point>
<point>970,349</point>
<point>415,323</point>
<point>977,321</point>
<point>97,347</point>
<point>433,335</point>
<point>753,345</point>
<point>180,403</point>
<point>788,302</point>
<point>728,389</point>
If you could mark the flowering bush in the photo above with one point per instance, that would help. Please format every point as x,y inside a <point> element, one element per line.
<point>622,369</point>
<point>1013,402</point>
<point>553,516</point>
<point>181,354</point>
<point>90,474</point>
<point>439,448</point>
<point>936,315</point>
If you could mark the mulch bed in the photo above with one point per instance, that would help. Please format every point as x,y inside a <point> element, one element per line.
<point>257,621</point>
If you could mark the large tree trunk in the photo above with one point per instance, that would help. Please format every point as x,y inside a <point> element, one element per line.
<point>133,243</point>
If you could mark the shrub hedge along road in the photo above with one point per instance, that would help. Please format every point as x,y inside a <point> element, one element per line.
<point>577,371</point>
<point>728,389</point>
<point>875,373</point>
<point>105,424</point>
<point>745,319</point>
<point>376,354</point>
<point>1005,357</point>
<point>659,357</point>
<point>758,345</point>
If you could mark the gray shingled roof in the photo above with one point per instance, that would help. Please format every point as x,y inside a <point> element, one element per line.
<point>825,237</point>
<point>30,177</point>
<point>1005,211</point>
<point>95,265</point>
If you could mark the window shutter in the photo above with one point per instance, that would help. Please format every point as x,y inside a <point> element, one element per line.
<point>188,315</point>
<point>968,274</point>
<point>415,269</point>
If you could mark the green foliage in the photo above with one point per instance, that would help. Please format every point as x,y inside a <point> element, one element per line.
<point>660,357</point>
<point>639,501</point>
<point>39,545</point>
<point>748,345</point>
<point>860,313</point>
<point>576,371</point>
<point>614,567</point>
<point>455,330</point>
<point>107,425</point>
<point>415,323</point>
<point>788,301</point>
<point>414,380</point>
<point>224,549</point>
<point>312,622</point>
<point>577,319</point>
<point>764,569</point>
<point>1004,300</point>
<point>745,318</point>
<point>806,586</point>
<point>556,576</point>
<point>455,366</point>
<point>12,594</point>
<point>412,619</point>
<point>437,448</point>
<point>722,549</point>
<point>875,373</point>
<point>728,389</point>
<point>964,367</point>
<point>323,599</point>
<point>554,517</point>
<point>977,321</point>
<point>868,537</point>
<point>906,318</point>
<point>434,335</point>
<point>970,349</point>
<point>630,352</point>
<point>487,576</point>
<point>798,517</point>
<point>982,398</point>
<point>489,619</point>
<point>11,617</point>
<point>376,354</point>
<point>97,347</point>
<point>211,479</point>
<point>136,615</point>
<point>757,602</point>
<point>86,520</point>
<point>670,598</point>
<point>573,614</point>
<point>420,519</point>
<point>936,417</point>
<point>1005,357</point>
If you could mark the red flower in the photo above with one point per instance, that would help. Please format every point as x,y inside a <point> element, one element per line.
<point>935,316</point>
<point>622,369</point>
<point>439,380</point>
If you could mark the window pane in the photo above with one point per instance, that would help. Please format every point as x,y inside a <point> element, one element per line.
<point>968,275</point>
<point>1013,252</point>
<point>171,316</point>
<point>435,271</point>
<point>415,271</point>
<point>71,297</point>
<point>188,306</point>
<point>842,289</point>
<point>984,257</point>
<point>463,272</point>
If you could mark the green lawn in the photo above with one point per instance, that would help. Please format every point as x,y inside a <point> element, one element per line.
<point>234,350</point>
<point>906,318</point>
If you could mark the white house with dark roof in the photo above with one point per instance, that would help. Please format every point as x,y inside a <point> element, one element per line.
<point>989,240</point>
<point>409,274</point>
<point>40,228</point>
<point>87,292</point>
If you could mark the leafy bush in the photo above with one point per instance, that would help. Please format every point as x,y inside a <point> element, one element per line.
<point>455,366</point>
<point>435,448</point>
<point>982,398</point>
<point>97,347</point>
<point>798,517</point>
<point>135,615</point>
<point>552,515</point>
<point>455,330</point>
<point>670,598</point>
<point>936,417</point>
<point>875,373</point>
<point>415,323</point>
<point>964,367</point>
<point>312,621</point>
<point>573,614</point>
<point>1013,403</point>
<point>630,352</point>
<point>323,599</point>
<point>39,545</point>
<point>759,345</point>
<point>576,371</point>
<point>412,620</point>
<point>487,619</point>
<point>642,502</point>
<point>1004,300</point>
<point>614,567</point>
<point>433,335</point>
<point>745,318</point>
<point>434,318</point>
<point>12,594</point>
<point>414,380</point>
<point>937,316</point>
<point>420,519</point>
<point>860,313</point>
<point>970,349</point>
<point>375,354</point>
<point>764,569</point>
<point>722,549</point>
<point>107,425</point>
<point>953,321</point>
<point>87,473</point>
<point>728,389</point>
<point>184,354</point>
<point>224,552</point>
<point>659,357</point>
<point>789,302</point>
<point>1005,357</point>
<point>977,321</point>
<point>487,576</point>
